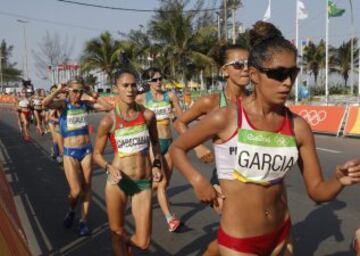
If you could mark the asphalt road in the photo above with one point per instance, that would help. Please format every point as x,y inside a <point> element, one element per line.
<point>40,190</point>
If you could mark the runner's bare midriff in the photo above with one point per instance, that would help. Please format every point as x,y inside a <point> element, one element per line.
<point>252,210</point>
<point>164,131</point>
<point>136,167</point>
<point>76,141</point>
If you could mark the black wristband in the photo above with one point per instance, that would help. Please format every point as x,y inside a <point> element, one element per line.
<point>106,167</point>
<point>156,163</point>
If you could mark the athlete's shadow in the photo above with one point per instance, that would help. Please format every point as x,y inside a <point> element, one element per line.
<point>318,226</point>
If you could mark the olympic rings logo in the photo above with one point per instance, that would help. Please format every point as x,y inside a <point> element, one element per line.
<point>313,117</point>
<point>280,141</point>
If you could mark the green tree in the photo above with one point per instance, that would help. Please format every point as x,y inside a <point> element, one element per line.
<point>314,58</point>
<point>102,54</point>
<point>340,62</point>
<point>9,72</point>
<point>182,43</point>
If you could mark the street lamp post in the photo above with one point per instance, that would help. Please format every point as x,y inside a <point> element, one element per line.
<point>26,65</point>
<point>233,25</point>
<point>225,20</point>
<point>1,72</point>
<point>218,26</point>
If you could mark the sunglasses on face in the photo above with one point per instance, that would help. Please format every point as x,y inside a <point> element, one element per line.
<point>238,64</point>
<point>80,91</point>
<point>280,73</point>
<point>156,79</point>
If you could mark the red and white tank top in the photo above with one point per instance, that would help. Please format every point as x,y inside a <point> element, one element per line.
<point>129,136</point>
<point>256,156</point>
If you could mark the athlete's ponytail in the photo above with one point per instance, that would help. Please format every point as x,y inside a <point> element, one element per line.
<point>265,40</point>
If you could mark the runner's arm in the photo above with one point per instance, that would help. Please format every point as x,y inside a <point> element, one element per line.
<point>50,102</point>
<point>154,138</point>
<point>213,124</point>
<point>175,104</point>
<point>318,189</point>
<point>200,108</point>
<point>101,139</point>
<point>155,145</point>
<point>98,104</point>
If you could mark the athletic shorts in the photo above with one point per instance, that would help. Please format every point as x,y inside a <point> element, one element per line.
<point>78,153</point>
<point>131,187</point>
<point>260,245</point>
<point>164,145</point>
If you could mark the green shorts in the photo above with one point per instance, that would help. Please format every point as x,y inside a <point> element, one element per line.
<point>131,187</point>
<point>164,145</point>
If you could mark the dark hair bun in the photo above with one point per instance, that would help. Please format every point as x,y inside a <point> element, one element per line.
<point>263,31</point>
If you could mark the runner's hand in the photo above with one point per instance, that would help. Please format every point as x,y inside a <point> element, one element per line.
<point>349,172</point>
<point>205,192</point>
<point>204,154</point>
<point>88,97</point>
<point>115,174</point>
<point>62,87</point>
<point>156,174</point>
<point>220,199</point>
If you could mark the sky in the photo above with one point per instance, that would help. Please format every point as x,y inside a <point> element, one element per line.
<point>80,24</point>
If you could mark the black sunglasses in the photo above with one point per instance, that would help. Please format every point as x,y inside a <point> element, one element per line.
<point>156,79</point>
<point>280,73</point>
<point>81,91</point>
<point>237,64</point>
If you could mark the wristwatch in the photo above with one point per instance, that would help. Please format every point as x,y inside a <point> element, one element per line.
<point>106,168</point>
<point>156,163</point>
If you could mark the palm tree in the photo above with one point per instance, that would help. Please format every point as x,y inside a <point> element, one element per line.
<point>314,58</point>
<point>341,61</point>
<point>9,72</point>
<point>175,32</point>
<point>102,54</point>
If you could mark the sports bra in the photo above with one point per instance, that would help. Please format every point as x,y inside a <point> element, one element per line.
<point>24,103</point>
<point>129,136</point>
<point>256,156</point>
<point>161,108</point>
<point>73,120</point>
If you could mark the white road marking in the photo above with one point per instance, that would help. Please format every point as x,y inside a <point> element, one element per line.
<point>329,150</point>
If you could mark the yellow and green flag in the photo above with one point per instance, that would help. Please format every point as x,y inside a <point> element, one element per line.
<point>333,10</point>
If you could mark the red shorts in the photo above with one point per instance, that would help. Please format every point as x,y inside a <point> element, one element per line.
<point>27,114</point>
<point>260,245</point>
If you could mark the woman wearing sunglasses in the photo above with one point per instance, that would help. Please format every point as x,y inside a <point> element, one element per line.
<point>131,128</point>
<point>235,70</point>
<point>77,145</point>
<point>162,103</point>
<point>260,140</point>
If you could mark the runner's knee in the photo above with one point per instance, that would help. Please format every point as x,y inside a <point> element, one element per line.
<point>75,193</point>
<point>357,233</point>
<point>141,243</point>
